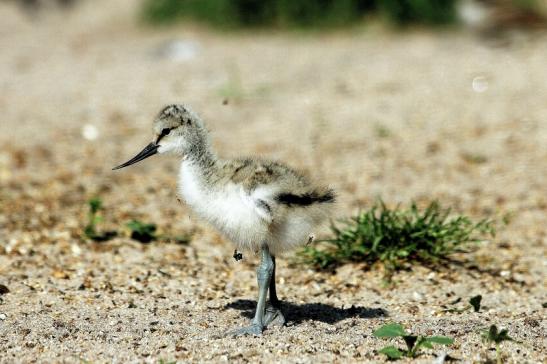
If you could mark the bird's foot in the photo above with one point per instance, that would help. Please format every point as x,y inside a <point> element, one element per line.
<point>273,317</point>
<point>253,329</point>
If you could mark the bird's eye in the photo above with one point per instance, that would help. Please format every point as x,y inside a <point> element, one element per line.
<point>163,133</point>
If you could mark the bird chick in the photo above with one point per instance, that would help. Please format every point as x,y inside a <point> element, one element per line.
<point>260,205</point>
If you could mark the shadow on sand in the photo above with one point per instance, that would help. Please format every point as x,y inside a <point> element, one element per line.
<point>295,314</point>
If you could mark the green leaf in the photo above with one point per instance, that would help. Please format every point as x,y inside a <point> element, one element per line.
<point>392,352</point>
<point>475,302</point>
<point>425,343</point>
<point>490,334</point>
<point>503,336</point>
<point>443,340</point>
<point>493,335</point>
<point>390,330</point>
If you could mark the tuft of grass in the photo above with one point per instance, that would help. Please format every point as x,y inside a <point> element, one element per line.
<point>396,237</point>
<point>413,342</point>
<point>141,231</point>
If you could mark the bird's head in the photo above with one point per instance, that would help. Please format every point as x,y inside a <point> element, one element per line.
<point>177,130</point>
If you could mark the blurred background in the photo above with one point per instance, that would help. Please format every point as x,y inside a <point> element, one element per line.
<point>400,99</point>
<point>373,95</point>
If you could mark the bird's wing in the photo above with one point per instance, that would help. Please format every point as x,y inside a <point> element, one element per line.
<point>263,201</point>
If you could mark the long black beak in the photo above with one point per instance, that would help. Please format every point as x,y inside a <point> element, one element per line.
<point>148,151</point>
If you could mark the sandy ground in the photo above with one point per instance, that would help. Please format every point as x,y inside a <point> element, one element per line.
<point>402,116</point>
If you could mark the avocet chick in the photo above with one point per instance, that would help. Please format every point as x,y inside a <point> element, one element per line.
<point>262,206</point>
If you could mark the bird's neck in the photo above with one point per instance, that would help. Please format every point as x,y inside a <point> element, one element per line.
<point>203,158</point>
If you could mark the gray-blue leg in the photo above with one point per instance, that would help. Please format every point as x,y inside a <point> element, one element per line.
<point>273,314</point>
<point>264,274</point>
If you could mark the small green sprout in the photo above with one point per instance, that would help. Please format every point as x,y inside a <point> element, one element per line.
<point>474,303</point>
<point>495,336</point>
<point>141,231</point>
<point>90,231</point>
<point>413,342</point>
<point>95,204</point>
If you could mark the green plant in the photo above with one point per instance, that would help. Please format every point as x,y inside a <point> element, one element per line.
<point>296,13</point>
<point>495,336</point>
<point>93,218</point>
<point>313,13</point>
<point>413,342</point>
<point>432,12</point>
<point>252,13</point>
<point>141,231</point>
<point>395,237</point>
<point>220,13</point>
<point>90,231</point>
<point>475,302</point>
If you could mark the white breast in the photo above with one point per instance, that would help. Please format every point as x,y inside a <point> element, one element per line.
<point>229,208</point>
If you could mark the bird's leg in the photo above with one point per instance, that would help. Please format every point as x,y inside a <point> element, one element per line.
<point>274,301</point>
<point>264,274</point>
<point>273,314</point>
